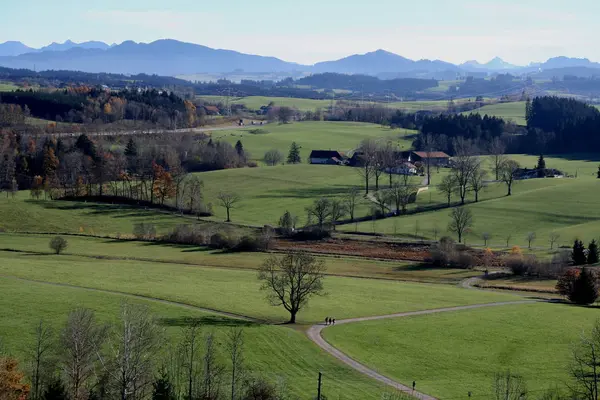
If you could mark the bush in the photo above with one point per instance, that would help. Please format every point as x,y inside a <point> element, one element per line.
<point>579,286</point>
<point>311,234</point>
<point>58,244</point>
<point>447,254</point>
<point>144,231</point>
<point>221,240</point>
<point>259,389</point>
<point>186,234</point>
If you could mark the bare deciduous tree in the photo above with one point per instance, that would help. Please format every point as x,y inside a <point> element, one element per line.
<point>40,358</point>
<point>81,341</point>
<point>388,160</point>
<point>508,238</point>
<point>401,193</point>
<point>508,386</point>
<point>461,221</point>
<point>486,236</point>
<point>367,157</point>
<point>320,210</point>
<point>228,201</point>
<point>497,149</point>
<point>448,186</point>
<point>381,200</point>
<point>273,157</point>
<point>585,367</point>
<point>530,238</point>
<point>235,345</point>
<point>190,351</point>
<point>213,370</point>
<point>429,144</point>
<point>337,211</point>
<point>478,181</point>
<point>351,201</point>
<point>508,174</point>
<point>134,350</point>
<point>291,280</point>
<point>465,165</point>
<point>554,237</point>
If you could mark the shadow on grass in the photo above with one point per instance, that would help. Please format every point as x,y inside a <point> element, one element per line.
<point>209,320</point>
<point>307,193</point>
<point>595,157</point>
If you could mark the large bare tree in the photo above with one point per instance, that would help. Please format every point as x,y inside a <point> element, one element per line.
<point>497,150</point>
<point>351,200</point>
<point>320,210</point>
<point>461,219</point>
<point>228,201</point>
<point>337,212</point>
<point>190,355</point>
<point>41,358</point>
<point>585,366</point>
<point>213,370</point>
<point>448,186</point>
<point>135,345</point>
<point>508,174</point>
<point>429,144</point>
<point>367,161</point>
<point>465,165</point>
<point>509,386</point>
<point>291,280</point>
<point>401,193</point>
<point>478,181</point>
<point>81,341</point>
<point>235,346</point>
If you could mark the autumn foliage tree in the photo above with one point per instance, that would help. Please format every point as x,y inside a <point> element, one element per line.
<point>579,286</point>
<point>12,386</point>
<point>163,186</point>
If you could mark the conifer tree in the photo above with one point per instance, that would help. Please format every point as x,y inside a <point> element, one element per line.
<point>294,154</point>
<point>578,254</point>
<point>131,148</point>
<point>585,288</point>
<point>239,147</point>
<point>592,256</point>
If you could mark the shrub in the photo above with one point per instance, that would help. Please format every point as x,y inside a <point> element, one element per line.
<point>447,254</point>
<point>311,234</point>
<point>247,243</point>
<point>224,241</point>
<point>144,231</point>
<point>58,244</point>
<point>516,250</point>
<point>464,260</point>
<point>186,234</point>
<point>579,286</point>
<point>259,388</point>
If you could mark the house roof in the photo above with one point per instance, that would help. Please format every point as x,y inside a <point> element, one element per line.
<point>326,154</point>
<point>409,165</point>
<point>433,154</point>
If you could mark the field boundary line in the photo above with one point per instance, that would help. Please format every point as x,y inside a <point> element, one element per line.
<point>141,297</point>
<point>314,334</point>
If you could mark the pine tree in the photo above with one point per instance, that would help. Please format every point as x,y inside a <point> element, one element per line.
<point>592,256</point>
<point>598,175</point>
<point>55,391</point>
<point>131,148</point>
<point>585,289</point>
<point>578,254</point>
<point>163,389</point>
<point>294,154</point>
<point>528,110</point>
<point>541,166</point>
<point>239,147</point>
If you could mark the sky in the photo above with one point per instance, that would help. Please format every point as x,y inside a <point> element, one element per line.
<point>308,31</point>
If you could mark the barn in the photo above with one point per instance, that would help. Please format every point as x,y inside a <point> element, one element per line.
<point>330,157</point>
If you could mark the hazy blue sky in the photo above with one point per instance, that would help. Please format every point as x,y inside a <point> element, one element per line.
<point>307,31</point>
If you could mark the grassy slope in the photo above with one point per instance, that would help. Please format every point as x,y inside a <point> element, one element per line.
<point>7,87</point>
<point>145,251</point>
<point>543,206</point>
<point>278,353</point>
<point>236,290</point>
<point>509,111</point>
<point>256,102</point>
<point>341,136</point>
<point>454,353</point>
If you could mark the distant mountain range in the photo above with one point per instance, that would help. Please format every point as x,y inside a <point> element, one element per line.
<point>171,57</point>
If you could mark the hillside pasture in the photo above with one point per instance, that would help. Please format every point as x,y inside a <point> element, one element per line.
<point>235,291</point>
<point>281,355</point>
<point>341,136</point>
<point>454,353</point>
<point>256,102</point>
<point>514,111</point>
<point>566,206</point>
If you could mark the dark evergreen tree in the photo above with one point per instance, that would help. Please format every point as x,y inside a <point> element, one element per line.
<point>55,391</point>
<point>131,148</point>
<point>578,255</point>
<point>86,146</point>
<point>541,166</point>
<point>294,154</point>
<point>598,174</point>
<point>592,256</point>
<point>163,389</point>
<point>527,110</point>
<point>239,147</point>
<point>585,288</point>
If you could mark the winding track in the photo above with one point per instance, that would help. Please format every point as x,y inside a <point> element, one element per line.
<point>314,334</point>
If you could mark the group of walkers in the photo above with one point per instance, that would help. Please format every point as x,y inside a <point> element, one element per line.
<point>329,321</point>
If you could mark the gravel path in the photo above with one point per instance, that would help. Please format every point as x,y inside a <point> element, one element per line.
<point>314,334</point>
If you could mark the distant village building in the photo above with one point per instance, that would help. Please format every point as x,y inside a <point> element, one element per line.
<point>404,168</point>
<point>330,157</point>
<point>438,158</point>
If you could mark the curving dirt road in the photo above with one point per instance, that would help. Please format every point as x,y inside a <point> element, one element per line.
<point>314,334</point>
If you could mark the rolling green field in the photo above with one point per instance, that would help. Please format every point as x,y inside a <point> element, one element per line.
<point>256,102</point>
<point>7,87</point>
<point>454,353</point>
<point>234,290</point>
<point>340,136</point>
<point>200,256</point>
<point>509,111</point>
<point>565,206</point>
<point>280,354</point>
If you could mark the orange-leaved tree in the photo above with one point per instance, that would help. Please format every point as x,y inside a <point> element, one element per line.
<point>163,186</point>
<point>12,386</point>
